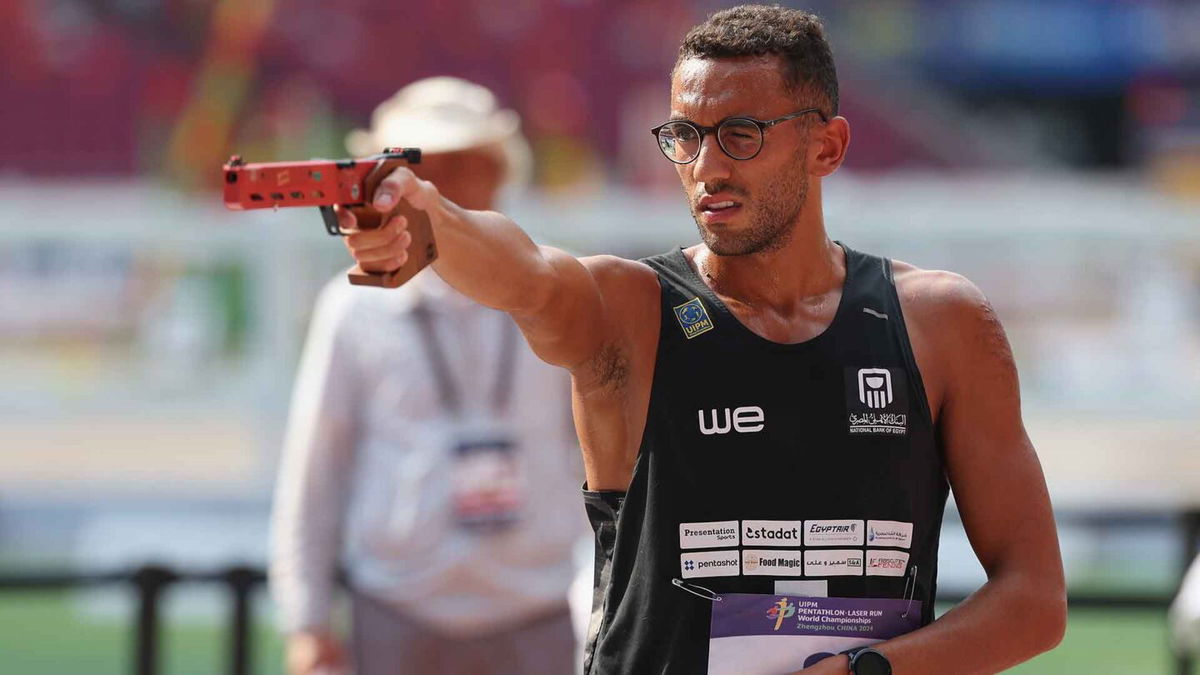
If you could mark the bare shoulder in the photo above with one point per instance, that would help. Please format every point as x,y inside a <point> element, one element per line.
<point>955,334</point>
<point>621,274</point>
<point>629,288</point>
<point>940,298</point>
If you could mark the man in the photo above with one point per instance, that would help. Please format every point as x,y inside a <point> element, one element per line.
<point>432,447</point>
<point>766,380</point>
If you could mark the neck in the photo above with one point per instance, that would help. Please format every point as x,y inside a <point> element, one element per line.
<point>808,266</point>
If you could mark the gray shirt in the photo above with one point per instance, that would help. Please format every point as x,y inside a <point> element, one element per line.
<point>369,466</point>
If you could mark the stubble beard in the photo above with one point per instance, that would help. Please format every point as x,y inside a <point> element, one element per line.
<point>771,225</point>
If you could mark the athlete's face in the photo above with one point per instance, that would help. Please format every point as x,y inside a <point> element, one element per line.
<point>767,192</point>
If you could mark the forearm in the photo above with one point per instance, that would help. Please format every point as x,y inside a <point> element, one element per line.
<point>487,257</point>
<point>1009,620</point>
<point>482,254</point>
<point>554,297</point>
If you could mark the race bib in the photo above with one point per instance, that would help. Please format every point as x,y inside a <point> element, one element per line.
<point>755,634</point>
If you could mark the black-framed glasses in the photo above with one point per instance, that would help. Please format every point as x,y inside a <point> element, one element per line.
<point>739,137</point>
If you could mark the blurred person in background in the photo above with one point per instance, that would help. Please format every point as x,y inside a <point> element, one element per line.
<point>430,448</point>
<point>768,376</point>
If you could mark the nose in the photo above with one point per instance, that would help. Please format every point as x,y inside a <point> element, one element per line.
<point>712,164</point>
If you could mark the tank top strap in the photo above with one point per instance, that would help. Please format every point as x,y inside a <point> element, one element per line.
<point>676,275</point>
<point>874,302</point>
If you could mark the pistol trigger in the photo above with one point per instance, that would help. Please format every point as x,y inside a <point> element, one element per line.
<point>330,220</point>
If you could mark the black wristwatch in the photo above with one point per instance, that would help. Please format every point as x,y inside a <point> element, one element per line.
<point>867,661</point>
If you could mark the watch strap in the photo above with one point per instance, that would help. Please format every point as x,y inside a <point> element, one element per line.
<point>857,653</point>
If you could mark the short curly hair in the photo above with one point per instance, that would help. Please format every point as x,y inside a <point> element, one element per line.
<point>796,36</point>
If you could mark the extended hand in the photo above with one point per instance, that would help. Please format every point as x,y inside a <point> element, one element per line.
<point>385,249</point>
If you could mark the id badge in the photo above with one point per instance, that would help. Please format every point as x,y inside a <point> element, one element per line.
<point>755,634</point>
<point>487,489</point>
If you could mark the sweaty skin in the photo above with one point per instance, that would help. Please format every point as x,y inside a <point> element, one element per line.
<point>769,259</point>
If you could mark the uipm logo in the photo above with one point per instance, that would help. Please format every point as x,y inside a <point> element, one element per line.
<point>875,387</point>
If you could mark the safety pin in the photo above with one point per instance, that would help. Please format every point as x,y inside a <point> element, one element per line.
<point>707,594</point>
<point>912,576</point>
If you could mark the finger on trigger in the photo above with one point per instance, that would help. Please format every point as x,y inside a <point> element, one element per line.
<point>346,220</point>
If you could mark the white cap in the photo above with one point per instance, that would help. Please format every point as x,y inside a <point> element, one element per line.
<point>445,114</point>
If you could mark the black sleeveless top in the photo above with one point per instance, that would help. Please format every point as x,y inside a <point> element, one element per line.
<point>764,462</point>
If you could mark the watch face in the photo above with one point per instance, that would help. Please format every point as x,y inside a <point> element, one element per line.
<point>871,662</point>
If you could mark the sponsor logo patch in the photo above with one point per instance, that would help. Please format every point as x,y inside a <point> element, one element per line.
<point>744,420</point>
<point>833,563</point>
<point>772,563</point>
<point>693,318</point>
<point>782,609</point>
<point>889,533</point>
<point>833,533</point>
<point>874,387</point>
<point>877,401</point>
<point>886,563</point>
<point>710,564</point>
<point>772,532</point>
<point>708,535</point>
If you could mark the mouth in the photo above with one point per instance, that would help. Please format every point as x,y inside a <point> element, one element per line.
<point>716,209</point>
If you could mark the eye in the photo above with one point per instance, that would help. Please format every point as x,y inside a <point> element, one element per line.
<point>739,129</point>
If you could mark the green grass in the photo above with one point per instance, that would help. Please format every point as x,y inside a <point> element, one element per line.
<point>1099,642</point>
<point>45,634</point>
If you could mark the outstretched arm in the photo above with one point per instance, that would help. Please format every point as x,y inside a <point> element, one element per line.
<point>594,316</point>
<point>488,258</point>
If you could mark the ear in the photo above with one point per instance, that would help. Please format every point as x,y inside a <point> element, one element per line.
<point>827,146</point>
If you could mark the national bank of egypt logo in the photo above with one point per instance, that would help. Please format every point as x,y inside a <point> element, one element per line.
<point>693,318</point>
<point>875,387</point>
<point>782,609</point>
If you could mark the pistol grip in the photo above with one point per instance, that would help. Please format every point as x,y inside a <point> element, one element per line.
<point>421,252</point>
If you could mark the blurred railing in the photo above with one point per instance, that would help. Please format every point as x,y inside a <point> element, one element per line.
<point>149,582</point>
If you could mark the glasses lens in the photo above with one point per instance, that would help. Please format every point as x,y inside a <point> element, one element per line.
<point>679,141</point>
<point>742,139</point>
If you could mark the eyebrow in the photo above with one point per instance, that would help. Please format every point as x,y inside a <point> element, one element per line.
<point>679,118</point>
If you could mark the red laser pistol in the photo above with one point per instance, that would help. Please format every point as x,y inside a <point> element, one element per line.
<point>324,183</point>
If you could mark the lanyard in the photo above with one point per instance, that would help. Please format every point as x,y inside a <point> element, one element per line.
<point>448,390</point>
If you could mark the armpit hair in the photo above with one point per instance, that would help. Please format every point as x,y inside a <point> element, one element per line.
<point>610,367</point>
